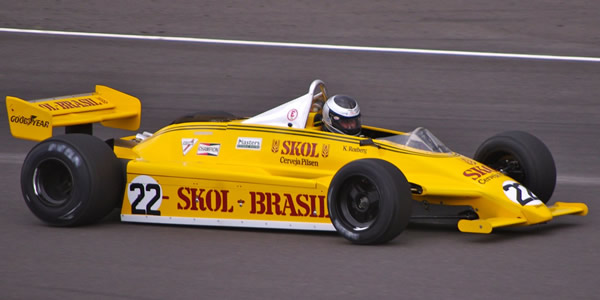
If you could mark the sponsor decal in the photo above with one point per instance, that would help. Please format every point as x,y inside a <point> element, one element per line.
<point>286,204</point>
<point>247,143</point>
<point>67,151</point>
<point>260,202</point>
<point>72,104</point>
<point>208,149</point>
<point>187,145</point>
<point>482,173</point>
<point>292,114</point>
<point>295,148</point>
<point>325,150</point>
<point>275,146</point>
<point>31,121</point>
<point>191,198</point>
<point>489,178</point>
<point>519,194</point>
<point>303,152</point>
<point>298,161</point>
<point>355,149</point>
<point>145,196</point>
<point>477,171</point>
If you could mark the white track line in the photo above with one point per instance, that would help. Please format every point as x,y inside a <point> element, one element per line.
<point>303,45</point>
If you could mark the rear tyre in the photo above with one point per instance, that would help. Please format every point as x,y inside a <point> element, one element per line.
<point>72,180</point>
<point>522,157</point>
<point>369,201</point>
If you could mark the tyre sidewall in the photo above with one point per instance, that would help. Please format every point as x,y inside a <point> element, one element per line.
<point>69,212</point>
<point>393,214</point>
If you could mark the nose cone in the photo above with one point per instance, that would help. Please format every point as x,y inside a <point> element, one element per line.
<point>536,213</point>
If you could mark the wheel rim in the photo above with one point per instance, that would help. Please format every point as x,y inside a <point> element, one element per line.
<point>52,182</point>
<point>507,164</point>
<point>359,202</point>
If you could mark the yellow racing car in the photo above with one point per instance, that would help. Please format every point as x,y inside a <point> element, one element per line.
<point>278,169</point>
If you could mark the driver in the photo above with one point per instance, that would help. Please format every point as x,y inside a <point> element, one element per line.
<point>341,114</point>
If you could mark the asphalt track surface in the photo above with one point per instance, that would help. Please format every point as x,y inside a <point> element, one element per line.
<point>462,99</point>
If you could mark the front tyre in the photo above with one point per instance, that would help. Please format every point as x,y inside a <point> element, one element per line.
<point>369,201</point>
<point>522,157</point>
<point>71,180</point>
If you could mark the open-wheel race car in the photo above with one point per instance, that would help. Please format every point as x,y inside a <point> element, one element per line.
<point>278,169</point>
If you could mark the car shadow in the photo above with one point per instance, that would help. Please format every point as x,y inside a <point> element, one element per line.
<point>498,235</point>
<point>514,233</point>
<point>415,231</point>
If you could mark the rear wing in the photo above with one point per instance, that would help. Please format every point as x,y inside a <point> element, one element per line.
<point>35,119</point>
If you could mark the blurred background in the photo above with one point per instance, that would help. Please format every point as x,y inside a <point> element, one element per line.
<point>462,99</point>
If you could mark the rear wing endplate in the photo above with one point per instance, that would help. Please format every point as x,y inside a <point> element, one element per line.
<point>35,119</point>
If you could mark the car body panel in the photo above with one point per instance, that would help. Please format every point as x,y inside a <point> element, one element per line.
<point>274,170</point>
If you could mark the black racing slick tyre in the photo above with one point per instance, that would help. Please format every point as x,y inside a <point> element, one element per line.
<point>369,201</point>
<point>72,180</point>
<point>522,157</point>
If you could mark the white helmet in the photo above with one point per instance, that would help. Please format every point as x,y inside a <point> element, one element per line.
<point>341,114</point>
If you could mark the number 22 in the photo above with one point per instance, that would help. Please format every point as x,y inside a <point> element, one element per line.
<point>142,194</point>
<point>519,191</point>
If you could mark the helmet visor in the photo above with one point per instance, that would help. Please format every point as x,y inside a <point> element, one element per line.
<point>347,125</point>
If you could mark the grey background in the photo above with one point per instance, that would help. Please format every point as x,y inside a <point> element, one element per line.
<point>463,100</point>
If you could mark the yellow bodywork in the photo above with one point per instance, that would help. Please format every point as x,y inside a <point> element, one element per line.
<point>283,182</point>
<point>34,120</point>
<point>231,173</point>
